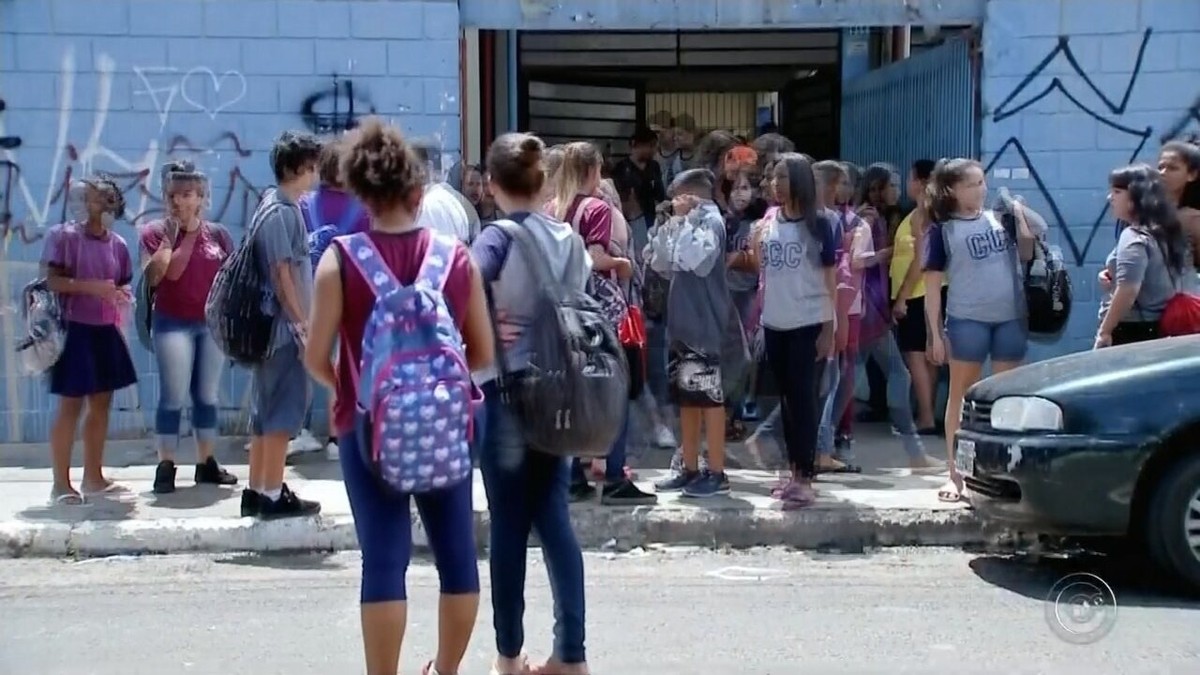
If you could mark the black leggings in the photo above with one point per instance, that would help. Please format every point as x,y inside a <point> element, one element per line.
<point>1129,332</point>
<point>793,358</point>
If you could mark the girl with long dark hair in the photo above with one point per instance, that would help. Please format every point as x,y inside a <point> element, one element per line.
<point>1146,267</point>
<point>797,251</point>
<point>1179,164</point>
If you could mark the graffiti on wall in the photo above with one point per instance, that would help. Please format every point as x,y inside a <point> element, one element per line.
<point>1180,128</point>
<point>8,142</point>
<point>1104,114</point>
<point>24,213</point>
<point>34,178</point>
<point>336,109</point>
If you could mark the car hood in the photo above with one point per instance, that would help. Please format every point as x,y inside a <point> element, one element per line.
<point>1171,365</point>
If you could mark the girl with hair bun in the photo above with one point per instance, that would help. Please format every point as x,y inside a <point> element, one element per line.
<point>527,491</point>
<point>89,266</point>
<point>181,254</point>
<point>385,174</point>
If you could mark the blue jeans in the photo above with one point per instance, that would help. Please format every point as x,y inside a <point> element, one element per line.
<point>189,361</point>
<point>656,360</point>
<point>527,490</point>
<point>887,354</point>
<point>614,462</point>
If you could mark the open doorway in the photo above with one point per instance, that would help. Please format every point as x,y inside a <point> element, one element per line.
<point>600,87</point>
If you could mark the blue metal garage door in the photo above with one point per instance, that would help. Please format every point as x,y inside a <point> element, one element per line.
<point>921,107</point>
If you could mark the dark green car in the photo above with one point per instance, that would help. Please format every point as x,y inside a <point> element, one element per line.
<point>1096,444</point>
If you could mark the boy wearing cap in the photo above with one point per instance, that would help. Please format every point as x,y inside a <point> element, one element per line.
<point>687,249</point>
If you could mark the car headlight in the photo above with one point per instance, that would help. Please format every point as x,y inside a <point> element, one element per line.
<point>1026,413</point>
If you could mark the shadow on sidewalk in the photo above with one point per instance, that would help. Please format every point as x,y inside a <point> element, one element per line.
<point>107,508</point>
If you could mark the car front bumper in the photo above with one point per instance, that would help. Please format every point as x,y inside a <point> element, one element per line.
<point>1053,483</point>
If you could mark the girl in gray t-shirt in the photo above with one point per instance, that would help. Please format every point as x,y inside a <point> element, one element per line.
<point>972,249</point>
<point>1148,266</point>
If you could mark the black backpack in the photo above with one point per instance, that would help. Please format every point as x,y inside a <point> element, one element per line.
<point>234,309</point>
<point>1047,291</point>
<point>1045,280</point>
<point>571,399</point>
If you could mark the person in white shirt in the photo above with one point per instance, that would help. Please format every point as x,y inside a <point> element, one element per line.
<point>443,209</point>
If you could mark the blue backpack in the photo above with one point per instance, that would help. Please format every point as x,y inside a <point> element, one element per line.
<point>415,395</point>
<point>320,234</point>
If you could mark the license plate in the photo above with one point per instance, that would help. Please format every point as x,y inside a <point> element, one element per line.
<point>964,457</point>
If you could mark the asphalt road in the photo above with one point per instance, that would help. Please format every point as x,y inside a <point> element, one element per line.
<point>654,613</point>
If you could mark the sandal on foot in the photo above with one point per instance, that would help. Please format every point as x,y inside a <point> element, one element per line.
<point>68,499</point>
<point>950,493</point>
<point>797,496</point>
<point>111,489</point>
<point>524,667</point>
<point>843,467</point>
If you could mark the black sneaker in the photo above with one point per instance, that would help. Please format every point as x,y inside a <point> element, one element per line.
<point>164,478</point>
<point>250,503</point>
<point>625,493</point>
<point>287,506</point>
<point>581,492</point>
<point>212,473</point>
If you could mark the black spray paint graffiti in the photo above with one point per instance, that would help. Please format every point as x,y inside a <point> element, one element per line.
<point>323,114</point>
<point>1189,116</point>
<point>8,142</point>
<point>1003,112</point>
<point>237,199</point>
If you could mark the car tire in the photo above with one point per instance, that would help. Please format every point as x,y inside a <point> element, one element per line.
<point>1170,506</point>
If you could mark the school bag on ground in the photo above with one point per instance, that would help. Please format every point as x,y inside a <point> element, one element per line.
<point>572,397</point>
<point>415,396</point>
<point>323,233</point>
<point>45,335</point>
<point>234,310</point>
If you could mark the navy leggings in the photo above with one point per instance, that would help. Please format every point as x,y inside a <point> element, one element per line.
<point>383,522</point>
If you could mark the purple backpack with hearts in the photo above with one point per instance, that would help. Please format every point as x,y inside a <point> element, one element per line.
<point>415,396</point>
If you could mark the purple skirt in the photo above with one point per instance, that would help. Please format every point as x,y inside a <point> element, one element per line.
<point>95,359</point>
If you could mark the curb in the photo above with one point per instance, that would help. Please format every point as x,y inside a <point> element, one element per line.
<point>596,527</point>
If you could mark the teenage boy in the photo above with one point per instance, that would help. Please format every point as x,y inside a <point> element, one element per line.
<point>281,384</point>
<point>639,182</point>
<point>688,249</point>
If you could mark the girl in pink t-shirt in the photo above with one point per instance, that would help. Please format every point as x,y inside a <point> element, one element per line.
<point>89,266</point>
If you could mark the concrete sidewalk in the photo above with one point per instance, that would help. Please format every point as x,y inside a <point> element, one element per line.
<point>880,507</point>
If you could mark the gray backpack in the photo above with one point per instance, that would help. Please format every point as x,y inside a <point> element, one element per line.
<point>571,400</point>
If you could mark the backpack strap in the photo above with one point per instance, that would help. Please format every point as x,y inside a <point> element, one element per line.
<point>369,263</point>
<point>439,254</point>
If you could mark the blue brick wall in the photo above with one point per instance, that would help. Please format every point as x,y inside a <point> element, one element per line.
<point>1123,105</point>
<point>121,85</point>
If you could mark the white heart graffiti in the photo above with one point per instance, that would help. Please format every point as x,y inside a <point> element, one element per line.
<point>223,96</point>
<point>227,89</point>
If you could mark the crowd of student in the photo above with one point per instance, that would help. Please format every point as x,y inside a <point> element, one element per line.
<point>757,254</point>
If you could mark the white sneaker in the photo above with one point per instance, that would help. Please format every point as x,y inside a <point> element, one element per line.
<point>663,437</point>
<point>304,442</point>
<point>331,451</point>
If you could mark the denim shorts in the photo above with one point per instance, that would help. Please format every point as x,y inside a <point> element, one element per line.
<point>282,390</point>
<point>974,341</point>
